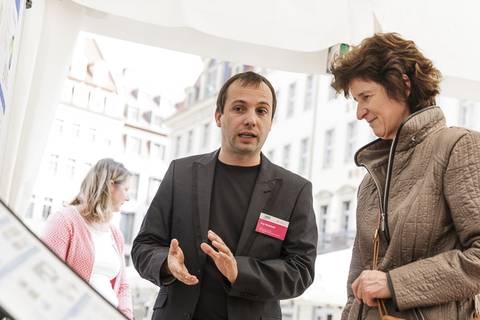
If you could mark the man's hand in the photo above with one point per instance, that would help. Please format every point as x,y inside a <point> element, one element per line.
<point>176,264</point>
<point>370,286</point>
<point>223,258</point>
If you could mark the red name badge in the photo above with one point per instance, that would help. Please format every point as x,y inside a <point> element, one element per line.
<point>272,226</point>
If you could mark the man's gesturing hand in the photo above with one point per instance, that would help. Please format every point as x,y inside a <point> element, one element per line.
<point>223,258</point>
<point>176,264</point>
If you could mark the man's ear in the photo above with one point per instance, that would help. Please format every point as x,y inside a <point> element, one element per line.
<point>408,85</point>
<point>218,115</point>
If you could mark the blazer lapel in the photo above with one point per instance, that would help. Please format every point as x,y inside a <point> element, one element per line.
<point>203,174</point>
<point>261,194</point>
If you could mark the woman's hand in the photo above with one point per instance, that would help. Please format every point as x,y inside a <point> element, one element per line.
<point>370,286</point>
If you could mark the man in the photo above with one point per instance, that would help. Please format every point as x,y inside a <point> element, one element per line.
<point>229,233</point>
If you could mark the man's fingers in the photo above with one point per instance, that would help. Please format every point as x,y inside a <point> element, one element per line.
<point>173,246</point>
<point>180,272</point>
<point>209,251</point>
<point>221,247</point>
<point>189,279</point>
<point>212,236</point>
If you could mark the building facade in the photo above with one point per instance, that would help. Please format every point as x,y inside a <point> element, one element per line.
<point>102,116</point>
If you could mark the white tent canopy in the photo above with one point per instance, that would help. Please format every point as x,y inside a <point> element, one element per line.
<point>282,34</point>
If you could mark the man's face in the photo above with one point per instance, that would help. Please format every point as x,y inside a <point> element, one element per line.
<point>246,119</point>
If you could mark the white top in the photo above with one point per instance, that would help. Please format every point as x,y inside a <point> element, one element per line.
<point>106,263</point>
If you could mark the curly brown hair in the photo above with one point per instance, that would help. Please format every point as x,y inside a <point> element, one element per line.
<point>384,58</point>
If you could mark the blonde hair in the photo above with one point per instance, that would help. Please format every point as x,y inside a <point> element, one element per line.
<point>95,193</point>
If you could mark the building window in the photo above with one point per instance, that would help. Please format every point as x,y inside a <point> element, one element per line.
<point>286,156</point>
<point>346,215</point>
<point>92,135</point>
<point>67,93</point>
<point>210,82</point>
<point>279,95</point>
<point>153,185</point>
<point>157,121</point>
<point>76,130</point>
<point>132,113</point>
<point>291,99</point>
<point>206,135</point>
<point>328,148</point>
<point>70,168</point>
<point>133,186</point>
<point>127,222</point>
<point>192,95</point>
<point>31,208</point>
<point>351,142</point>
<point>323,239</point>
<point>227,71</point>
<point>47,207</point>
<point>308,103</point>
<point>59,124</point>
<point>157,151</point>
<point>80,95</point>
<point>97,101</point>
<point>53,164</point>
<point>466,114</point>
<point>189,141</point>
<point>178,145</point>
<point>323,219</point>
<point>133,145</point>
<point>302,163</point>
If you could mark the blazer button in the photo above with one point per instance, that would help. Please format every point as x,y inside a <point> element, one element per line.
<point>187,315</point>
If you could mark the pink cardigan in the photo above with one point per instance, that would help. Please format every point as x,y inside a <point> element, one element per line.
<point>66,233</point>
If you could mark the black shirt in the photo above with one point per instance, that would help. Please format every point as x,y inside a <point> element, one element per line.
<point>232,189</point>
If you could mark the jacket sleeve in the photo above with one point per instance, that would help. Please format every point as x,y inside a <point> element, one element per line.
<point>452,275</point>
<point>57,235</point>
<point>150,247</point>
<point>293,272</point>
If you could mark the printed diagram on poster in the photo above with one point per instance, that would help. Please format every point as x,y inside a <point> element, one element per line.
<point>38,285</point>
<point>9,15</point>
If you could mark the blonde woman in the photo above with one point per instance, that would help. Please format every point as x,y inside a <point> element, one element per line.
<point>84,237</point>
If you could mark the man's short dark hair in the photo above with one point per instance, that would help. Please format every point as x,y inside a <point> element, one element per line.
<point>245,79</point>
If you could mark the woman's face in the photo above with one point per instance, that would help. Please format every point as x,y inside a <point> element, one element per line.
<point>383,114</point>
<point>119,194</point>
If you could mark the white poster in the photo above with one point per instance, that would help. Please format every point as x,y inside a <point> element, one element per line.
<point>36,284</point>
<point>9,16</point>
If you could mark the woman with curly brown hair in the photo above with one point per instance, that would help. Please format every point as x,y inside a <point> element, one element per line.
<point>417,249</point>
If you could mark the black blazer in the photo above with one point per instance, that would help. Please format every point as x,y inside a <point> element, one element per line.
<point>269,269</point>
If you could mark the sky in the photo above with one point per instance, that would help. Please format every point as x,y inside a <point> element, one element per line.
<point>154,69</point>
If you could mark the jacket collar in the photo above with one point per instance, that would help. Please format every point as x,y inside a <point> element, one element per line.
<point>413,130</point>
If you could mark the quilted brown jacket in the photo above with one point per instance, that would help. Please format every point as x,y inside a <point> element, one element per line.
<point>423,191</point>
